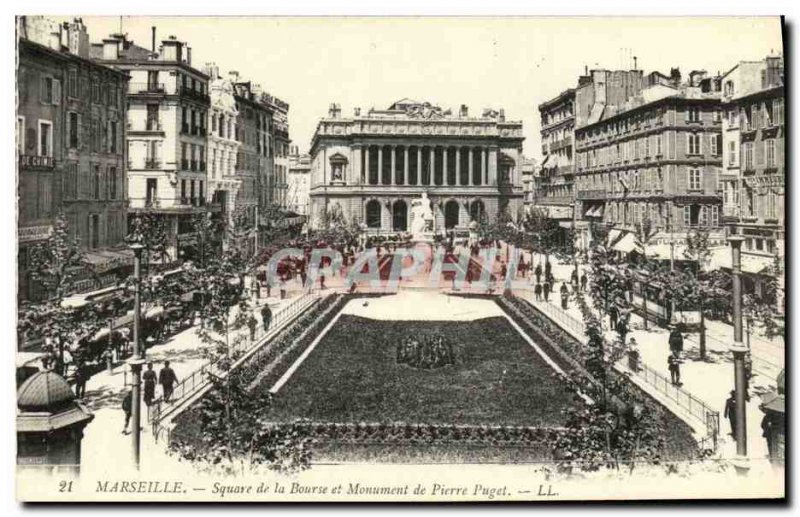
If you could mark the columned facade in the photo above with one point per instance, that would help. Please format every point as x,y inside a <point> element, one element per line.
<point>468,166</point>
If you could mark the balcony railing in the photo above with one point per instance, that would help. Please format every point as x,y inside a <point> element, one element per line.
<point>153,125</point>
<point>592,194</point>
<point>140,88</point>
<point>185,129</point>
<point>194,94</point>
<point>202,166</point>
<point>32,161</point>
<point>193,166</point>
<point>152,164</point>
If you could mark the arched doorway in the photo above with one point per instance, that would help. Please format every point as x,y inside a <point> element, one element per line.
<point>373,214</point>
<point>451,212</point>
<point>400,216</point>
<point>476,211</point>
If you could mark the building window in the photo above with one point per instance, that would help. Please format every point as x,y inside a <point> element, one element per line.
<point>112,183</point>
<point>21,135</point>
<point>769,150</point>
<point>778,111</point>
<point>113,137</point>
<point>717,115</point>
<point>45,138</point>
<point>747,149</point>
<point>693,114</point>
<point>72,84</point>
<point>96,183</point>
<point>772,211</point>
<point>693,144</point>
<point>183,191</point>
<point>50,91</point>
<point>716,144</point>
<point>732,152</point>
<point>750,201</point>
<point>695,179</point>
<point>72,129</point>
<point>728,88</point>
<point>714,216</point>
<point>733,116</point>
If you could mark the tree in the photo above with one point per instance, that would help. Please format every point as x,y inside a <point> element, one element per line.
<point>643,235</point>
<point>765,310</point>
<point>246,438</point>
<point>699,287</point>
<point>57,264</point>
<point>150,230</point>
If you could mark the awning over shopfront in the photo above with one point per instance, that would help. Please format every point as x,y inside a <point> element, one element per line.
<point>753,264</point>
<point>664,251</point>
<point>626,244</point>
<point>595,211</point>
<point>558,212</point>
<point>613,236</point>
<point>106,260</point>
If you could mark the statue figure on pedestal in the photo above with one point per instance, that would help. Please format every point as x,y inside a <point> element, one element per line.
<point>422,219</point>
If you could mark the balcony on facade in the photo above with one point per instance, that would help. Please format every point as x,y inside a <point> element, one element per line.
<point>151,164</point>
<point>36,162</point>
<point>155,89</point>
<point>595,194</point>
<point>190,93</point>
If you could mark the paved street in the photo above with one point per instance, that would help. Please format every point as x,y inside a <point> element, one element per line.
<point>105,391</point>
<point>709,380</point>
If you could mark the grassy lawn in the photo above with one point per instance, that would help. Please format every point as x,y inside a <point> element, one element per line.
<point>352,375</point>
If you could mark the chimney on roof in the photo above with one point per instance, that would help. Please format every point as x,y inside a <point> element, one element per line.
<point>464,111</point>
<point>153,43</point>
<point>357,112</point>
<point>675,77</point>
<point>635,63</point>
<point>171,50</point>
<point>501,115</point>
<point>334,110</point>
<point>234,75</point>
<point>111,49</point>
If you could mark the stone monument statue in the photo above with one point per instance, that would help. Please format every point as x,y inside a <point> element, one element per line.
<point>422,219</point>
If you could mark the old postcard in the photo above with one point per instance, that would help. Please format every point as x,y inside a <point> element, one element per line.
<point>400,259</point>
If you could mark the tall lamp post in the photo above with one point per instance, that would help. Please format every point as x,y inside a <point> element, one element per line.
<point>738,349</point>
<point>137,360</point>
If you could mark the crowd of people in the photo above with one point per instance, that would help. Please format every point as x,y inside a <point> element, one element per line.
<point>426,352</point>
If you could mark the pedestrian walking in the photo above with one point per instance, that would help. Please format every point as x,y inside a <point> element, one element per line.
<point>548,269</point>
<point>167,379</point>
<point>574,278</point>
<point>266,317</point>
<point>546,291</point>
<point>127,403</point>
<point>622,324</point>
<point>583,281</point>
<point>730,412</point>
<point>675,340</point>
<point>268,281</point>
<point>252,322</point>
<point>767,424</point>
<point>564,295</point>
<point>81,376</point>
<point>282,285</point>
<point>538,292</point>
<point>538,272</point>
<point>149,378</point>
<point>613,314</point>
<point>674,364</point>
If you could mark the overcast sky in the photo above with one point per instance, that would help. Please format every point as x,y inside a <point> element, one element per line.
<point>511,63</point>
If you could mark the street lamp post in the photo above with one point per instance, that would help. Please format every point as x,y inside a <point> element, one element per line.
<point>137,360</point>
<point>738,348</point>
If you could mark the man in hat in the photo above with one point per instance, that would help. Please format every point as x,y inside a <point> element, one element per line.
<point>730,412</point>
<point>675,340</point>
<point>127,404</point>
<point>674,364</point>
<point>168,380</point>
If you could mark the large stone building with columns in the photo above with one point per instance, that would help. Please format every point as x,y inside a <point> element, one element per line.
<point>371,166</point>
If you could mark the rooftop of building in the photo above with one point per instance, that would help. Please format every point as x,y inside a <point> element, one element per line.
<point>558,99</point>
<point>406,109</point>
